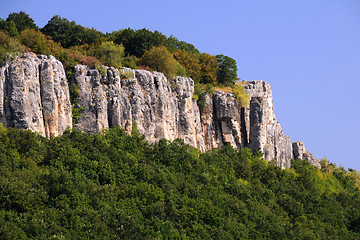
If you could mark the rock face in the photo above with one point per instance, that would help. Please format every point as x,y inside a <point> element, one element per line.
<point>160,109</point>
<point>34,95</point>
<point>299,152</point>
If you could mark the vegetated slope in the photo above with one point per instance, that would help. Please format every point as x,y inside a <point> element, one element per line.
<point>112,185</point>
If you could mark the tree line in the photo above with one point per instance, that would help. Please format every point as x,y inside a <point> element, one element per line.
<point>73,44</point>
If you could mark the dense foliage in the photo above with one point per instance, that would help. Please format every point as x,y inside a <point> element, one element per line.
<point>69,33</point>
<point>110,53</point>
<point>73,44</point>
<point>227,71</point>
<point>9,47</point>
<point>115,186</point>
<point>161,60</point>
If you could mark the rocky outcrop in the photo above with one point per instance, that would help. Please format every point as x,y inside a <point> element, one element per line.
<point>160,109</point>
<point>164,109</point>
<point>266,133</point>
<point>34,95</point>
<point>299,152</point>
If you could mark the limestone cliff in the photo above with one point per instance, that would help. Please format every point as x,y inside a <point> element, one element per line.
<point>34,95</point>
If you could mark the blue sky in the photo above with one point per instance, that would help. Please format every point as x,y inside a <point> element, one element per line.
<point>309,51</point>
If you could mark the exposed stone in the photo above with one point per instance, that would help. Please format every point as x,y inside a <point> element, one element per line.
<point>3,93</point>
<point>55,97</point>
<point>159,109</point>
<point>34,95</point>
<point>299,152</point>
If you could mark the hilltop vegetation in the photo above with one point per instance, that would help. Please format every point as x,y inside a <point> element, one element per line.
<point>73,44</point>
<point>115,186</point>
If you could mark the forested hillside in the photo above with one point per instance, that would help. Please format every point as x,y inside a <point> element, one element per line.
<point>115,186</point>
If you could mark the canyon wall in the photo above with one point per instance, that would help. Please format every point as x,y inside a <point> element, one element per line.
<point>34,94</point>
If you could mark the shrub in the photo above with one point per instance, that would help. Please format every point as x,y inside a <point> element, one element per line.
<point>137,42</point>
<point>240,94</point>
<point>180,70</point>
<point>35,40</point>
<point>10,48</point>
<point>101,70</point>
<point>69,33</point>
<point>110,53</point>
<point>130,62</point>
<point>76,113</point>
<point>209,88</point>
<point>126,74</point>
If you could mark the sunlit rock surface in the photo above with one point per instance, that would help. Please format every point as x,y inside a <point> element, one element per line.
<point>34,94</point>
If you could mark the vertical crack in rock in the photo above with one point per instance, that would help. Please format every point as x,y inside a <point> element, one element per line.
<point>24,99</point>
<point>3,94</point>
<point>244,128</point>
<point>54,91</point>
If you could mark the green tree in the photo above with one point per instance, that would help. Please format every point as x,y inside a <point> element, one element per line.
<point>10,27</point>
<point>209,66</point>
<point>161,60</point>
<point>111,53</point>
<point>69,33</point>
<point>22,21</point>
<point>227,72</point>
<point>190,61</point>
<point>137,42</point>
<point>173,44</point>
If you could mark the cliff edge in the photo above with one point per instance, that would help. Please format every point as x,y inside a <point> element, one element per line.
<point>34,94</point>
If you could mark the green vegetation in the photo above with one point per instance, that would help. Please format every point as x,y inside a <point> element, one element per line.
<point>208,69</point>
<point>70,34</point>
<point>110,53</point>
<point>137,42</point>
<point>227,71</point>
<point>161,60</point>
<point>115,186</point>
<point>10,48</point>
<point>22,21</point>
<point>36,41</point>
<point>101,70</point>
<point>126,74</point>
<point>191,62</point>
<point>74,44</point>
<point>240,94</point>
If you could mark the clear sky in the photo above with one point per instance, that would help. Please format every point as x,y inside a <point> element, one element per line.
<point>308,50</point>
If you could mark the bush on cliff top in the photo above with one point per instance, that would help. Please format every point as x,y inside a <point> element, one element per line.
<point>10,48</point>
<point>240,94</point>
